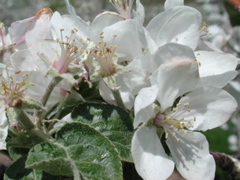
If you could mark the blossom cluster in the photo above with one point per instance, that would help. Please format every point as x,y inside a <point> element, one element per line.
<point>165,73</point>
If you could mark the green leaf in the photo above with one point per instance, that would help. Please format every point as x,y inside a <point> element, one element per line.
<point>79,150</point>
<point>17,171</point>
<point>16,153</point>
<point>89,94</point>
<point>113,122</point>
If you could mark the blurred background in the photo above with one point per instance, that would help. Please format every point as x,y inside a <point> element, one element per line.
<point>12,10</point>
<point>221,15</point>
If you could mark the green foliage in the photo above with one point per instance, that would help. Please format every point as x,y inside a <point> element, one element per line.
<point>17,171</point>
<point>218,142</point>
<point>16,153</point>
<point>79,150</point>
<point>113,122</point>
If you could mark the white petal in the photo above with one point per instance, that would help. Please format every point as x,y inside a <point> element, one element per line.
<point>145,38</point>
<point>62,26</point>
<point>24,32</point>
<point>171,3</point>
<point>106,93</point>
<point>3,129</point>
<point>218,80</point>
<point>24,60</point>
<point>175,79</point>
<point>126,32</point>
<point>213,63</point>
<point>66,119</point>
<point>150,159</point>
<point>191,155</point>
<point>211,107</point>
<point>125,92</point>
<point>103,20</point>
<point>70,8</point>
<point>179,24</point>
<point>140,11</point>
<point>40,31</point>
<point>167,53</point>
<point>143,105</point>
<point>137,77</point>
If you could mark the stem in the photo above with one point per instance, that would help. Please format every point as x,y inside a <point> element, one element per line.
<point>40,134</point>
<point>118,98</point>
<point>12,132</point>
<point>25,123</point>
<point>45,97</point>
<point>23,119</point>
<point>49,89</point>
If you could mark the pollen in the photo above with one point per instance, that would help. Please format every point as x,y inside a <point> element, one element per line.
<point>12,90</point>
<point>173,125</point>
<point>104,55</point>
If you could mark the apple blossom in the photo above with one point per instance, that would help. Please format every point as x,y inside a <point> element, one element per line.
<point>13,87</point>
<point>25,32</point>
<point>162,115</point>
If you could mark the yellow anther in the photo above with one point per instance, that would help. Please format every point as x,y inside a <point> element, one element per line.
<point>174,109</point>
<point>166,135</point>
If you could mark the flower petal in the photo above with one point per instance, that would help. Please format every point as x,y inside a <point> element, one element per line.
<point>137,77</point>
<point>24,60</point>
<point>191,155</point>
<point>171,3</point>
<point>150,159</point>
<point>140,11</point>
<point>167,53</point>
<point>25,32</point>
<point>143,105</point>
<point>124,30</point>
<point>179,24</point>
<point>103,20</point>
<point>211,107</point>
<point>63,26</point>
<point>213,63</point>
<point>3,129</point>
<point>175,79</point>
<point>218,80</point>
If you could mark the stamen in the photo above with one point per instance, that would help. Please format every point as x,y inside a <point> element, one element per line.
<point>13,91</point>
<point>69,51</point>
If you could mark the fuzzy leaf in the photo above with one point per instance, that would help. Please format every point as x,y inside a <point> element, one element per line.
<point>17,171</point>
<point>79,150</point>
<point>113,122</point>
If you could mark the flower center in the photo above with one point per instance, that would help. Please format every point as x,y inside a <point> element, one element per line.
<point>13,91</point>
<point>69,52</point>
<point>105,57</point>
<point>170,122</point>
